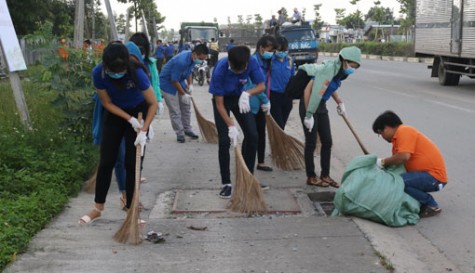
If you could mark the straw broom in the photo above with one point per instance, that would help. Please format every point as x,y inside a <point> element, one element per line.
<point>129,232</point>
<point>287,151</point>
<point>90,184</point>
<point>207,128</point>
<point>247,195</point>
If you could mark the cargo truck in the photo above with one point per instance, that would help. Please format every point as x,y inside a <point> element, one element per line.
<point>193,31</point>
<point>445,31</point>
<point>303,44</point>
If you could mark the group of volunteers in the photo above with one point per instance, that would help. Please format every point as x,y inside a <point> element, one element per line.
<point>250,86</point>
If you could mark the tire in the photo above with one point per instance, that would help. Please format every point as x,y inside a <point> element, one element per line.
<point>201,78</point>
<point>446,78</point>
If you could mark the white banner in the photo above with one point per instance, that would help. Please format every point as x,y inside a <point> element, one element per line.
<point>11,47</point>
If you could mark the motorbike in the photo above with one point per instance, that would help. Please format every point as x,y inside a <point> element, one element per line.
<point>199,73</point>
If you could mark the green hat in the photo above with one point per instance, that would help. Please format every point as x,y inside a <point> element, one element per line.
<point>352,54</point>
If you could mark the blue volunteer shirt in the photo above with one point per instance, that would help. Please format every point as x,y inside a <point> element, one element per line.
<point>129,98</point>
<point>179,68</point>
<point>169,50</point>
<point>224,82</point>
<point>281,73</point>
<point>160,52</point>
<point>332,87</point>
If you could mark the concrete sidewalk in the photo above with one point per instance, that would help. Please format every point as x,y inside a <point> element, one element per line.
<point>181,193</point>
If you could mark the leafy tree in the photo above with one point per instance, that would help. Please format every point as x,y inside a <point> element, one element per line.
<point>150,11</point>
<point>248,19</point>
<point>284,12</point>
<point>240,20</point>
<point>339,15</point>
<point>257,20</point>
<point>353,20</point>
<point>408,7</point>
<point>121,23</point>
<point>318,23</point>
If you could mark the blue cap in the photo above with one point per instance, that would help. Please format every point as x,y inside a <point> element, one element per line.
<point>134,50</point>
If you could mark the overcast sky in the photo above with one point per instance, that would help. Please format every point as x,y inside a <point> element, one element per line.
<point>177,11</point>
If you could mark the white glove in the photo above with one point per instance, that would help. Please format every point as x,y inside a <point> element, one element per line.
<point>341,109</point>
<point>160,109</point>
<point>150,134</point>
<point>233,134</point>
<point>190,88</point>
<point>266,107</point>
<point>142,140</point>
<point>186,99</point>
<point>380,163</point>
<point>135,124</point>
<point>244,106</point>
<point>308,122</point>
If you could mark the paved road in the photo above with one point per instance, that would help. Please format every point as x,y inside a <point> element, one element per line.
<point>446,115</point>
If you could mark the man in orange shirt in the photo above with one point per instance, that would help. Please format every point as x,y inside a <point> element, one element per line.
<point>423,161</point>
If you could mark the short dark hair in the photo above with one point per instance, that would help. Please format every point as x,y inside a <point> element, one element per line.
<point>388,118</point>
<point>141,40</point>
<point>201,49</point>
<point>239,56</point>
<point>116,57</point>
<point>265,41</point>
<point>282,43</point>
<point>231,40</point>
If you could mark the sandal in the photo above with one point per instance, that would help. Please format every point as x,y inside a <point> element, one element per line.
<point>86,219</point>
<point>427,211</point>
<point>263,167</point>
<point>330,181</point>
<point>315,181</point>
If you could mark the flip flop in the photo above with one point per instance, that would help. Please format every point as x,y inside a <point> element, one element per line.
<point>264,168</point>
<point>86,219</point>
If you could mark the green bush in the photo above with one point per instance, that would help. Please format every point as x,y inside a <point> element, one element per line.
<point>373,48</point>
<point>40,169</point>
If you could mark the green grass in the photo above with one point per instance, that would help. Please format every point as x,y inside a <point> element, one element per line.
<point>40,169</point>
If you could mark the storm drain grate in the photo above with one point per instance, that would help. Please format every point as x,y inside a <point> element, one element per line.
<point>323,202</point>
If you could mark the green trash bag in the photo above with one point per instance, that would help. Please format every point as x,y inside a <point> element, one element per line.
<point>378,195</point>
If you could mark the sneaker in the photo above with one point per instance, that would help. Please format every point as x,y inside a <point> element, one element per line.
<point>180,139</point>
<point>264,187</point>
<point>225,192</point>
<point>192,135</point>
<point>427,211</point>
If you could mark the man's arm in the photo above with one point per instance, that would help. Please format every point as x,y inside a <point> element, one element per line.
<point>397,159</point>
<point>219,100</point>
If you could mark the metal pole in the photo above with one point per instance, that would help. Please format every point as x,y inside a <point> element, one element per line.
<point>113,29</point>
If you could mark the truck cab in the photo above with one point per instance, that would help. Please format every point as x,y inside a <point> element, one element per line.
<point>303,44</point>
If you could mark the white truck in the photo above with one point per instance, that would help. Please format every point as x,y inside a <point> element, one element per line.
<point>445,31</point>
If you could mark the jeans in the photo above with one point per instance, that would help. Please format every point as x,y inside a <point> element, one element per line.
<point>418,184</point>
<point>322,127</point>
<point>247,122</point>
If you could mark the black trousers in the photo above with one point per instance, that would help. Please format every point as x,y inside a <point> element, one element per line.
<point>261,135</point>
<point>322,128</point>
<point>159,65</point>
<point>247,123</point>
<point>114,129</point>
<point>281,106</point>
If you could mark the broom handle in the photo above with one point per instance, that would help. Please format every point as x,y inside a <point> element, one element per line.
<point>138,155</point>
<point>354,133</point>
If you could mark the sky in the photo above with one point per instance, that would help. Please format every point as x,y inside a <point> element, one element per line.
<point>177,11</point>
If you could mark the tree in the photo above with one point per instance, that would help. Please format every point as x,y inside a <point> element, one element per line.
<point>248,19</point>
<point>150,11</point>
<point>318,23</point>
<point>408,7</point>
<point>339,15</point>
<point>284,12</point>
<point>258,20</point>
<point>240,20</point>
<point>353,20</point>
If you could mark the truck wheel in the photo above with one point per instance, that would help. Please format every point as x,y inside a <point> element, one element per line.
<point>446,78</point>
<point>201,78</point>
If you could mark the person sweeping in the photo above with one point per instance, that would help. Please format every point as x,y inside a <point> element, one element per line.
<point>314,114</point>
<point>124,90</point>
<point>230,76</point>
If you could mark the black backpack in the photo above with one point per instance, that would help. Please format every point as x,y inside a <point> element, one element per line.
<point>296,85</point>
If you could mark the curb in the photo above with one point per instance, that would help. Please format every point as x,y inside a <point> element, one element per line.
<point>386,58</point>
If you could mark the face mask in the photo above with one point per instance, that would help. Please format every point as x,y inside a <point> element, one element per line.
<point>349,70</point>
<point>281,54</point>
<point>198,61</point>
<point>116,75</point>
<point>267,55</point>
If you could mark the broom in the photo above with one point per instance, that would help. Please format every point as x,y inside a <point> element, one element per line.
<point>287,151</point>
<point>130,230</point>
<point>247,196</point>
<point>207,128</point>
<point>90,184</point>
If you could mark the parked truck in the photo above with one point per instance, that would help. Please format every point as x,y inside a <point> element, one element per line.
<point>303,44</point>
<point>445,31</point>
<point>193,31</point>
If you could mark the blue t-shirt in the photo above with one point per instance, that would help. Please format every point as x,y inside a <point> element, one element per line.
<point>224,82</point>
<point>229,46</point>
<point>170,50</point>
<point>179,68</point>
<point>281,73</point>
<point>128,98</point>
<point>160,52</point>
